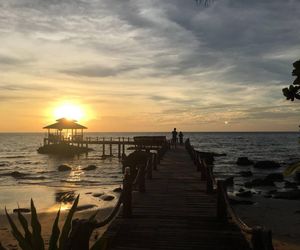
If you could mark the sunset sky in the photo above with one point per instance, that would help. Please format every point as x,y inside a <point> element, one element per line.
<point>149,65</point>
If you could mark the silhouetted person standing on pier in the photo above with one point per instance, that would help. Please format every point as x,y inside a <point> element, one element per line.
<point>180,138</point>
<point>174,137</point>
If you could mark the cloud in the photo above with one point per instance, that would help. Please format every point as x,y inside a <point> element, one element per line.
<point>11,61</point>
<point>228,60</point>
<point>98,71</point>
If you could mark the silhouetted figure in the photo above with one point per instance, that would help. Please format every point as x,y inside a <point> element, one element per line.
<point>174,137</point>
<point>180,138</point>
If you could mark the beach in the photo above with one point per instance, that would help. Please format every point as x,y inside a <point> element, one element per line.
<point>90,202</point>
<point>46,220</point>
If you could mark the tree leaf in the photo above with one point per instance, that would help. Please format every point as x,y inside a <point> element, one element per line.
<point>37,240</point>
<point>55,233</point>
<point>17,234</point>
<point>67,226</point>
<point>24,223</point>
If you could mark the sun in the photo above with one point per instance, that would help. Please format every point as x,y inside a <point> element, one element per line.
<point>69,111</point>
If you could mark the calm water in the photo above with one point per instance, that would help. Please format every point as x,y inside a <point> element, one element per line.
<point>18,153</point>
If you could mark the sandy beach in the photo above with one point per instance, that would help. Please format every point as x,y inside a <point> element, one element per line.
<point>90,202</point>
<point>46,220</point>
<point>280,216</point>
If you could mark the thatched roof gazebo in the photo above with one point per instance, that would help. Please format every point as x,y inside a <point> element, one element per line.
<point>63,136</point>
<point>65,130</point>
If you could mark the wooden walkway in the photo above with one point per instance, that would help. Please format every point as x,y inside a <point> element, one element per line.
<point>174,213</point>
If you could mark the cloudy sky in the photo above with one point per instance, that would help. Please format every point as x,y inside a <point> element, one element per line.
<point>149,65</point>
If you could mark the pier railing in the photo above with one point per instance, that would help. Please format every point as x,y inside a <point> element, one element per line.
<point>132,181</point>
<point>261,238</point>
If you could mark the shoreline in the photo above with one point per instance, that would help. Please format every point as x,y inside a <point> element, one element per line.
<point>49,199</point>
<point>280,216</point>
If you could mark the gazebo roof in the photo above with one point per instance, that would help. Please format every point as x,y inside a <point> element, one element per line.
<point>64,123</point>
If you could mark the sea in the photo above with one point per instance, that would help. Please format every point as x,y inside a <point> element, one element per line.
<point>39,179</point>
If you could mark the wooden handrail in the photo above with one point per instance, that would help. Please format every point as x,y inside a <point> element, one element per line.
<point>261,238</point>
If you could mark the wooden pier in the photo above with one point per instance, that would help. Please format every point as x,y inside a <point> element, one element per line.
<point>176,212</point>
<point>170,200</point>
<point>66,136</point>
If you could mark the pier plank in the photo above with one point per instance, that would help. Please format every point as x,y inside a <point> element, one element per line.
<point>174,213</point>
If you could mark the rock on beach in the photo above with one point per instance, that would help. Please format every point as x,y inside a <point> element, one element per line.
<point>246,173</point>
<point>85,207</point>
<point>238,201</point>
<point>17,174</point>
<point>288,195</point>
<point>64,167</point>
<point>90,167</point>
<point>244,161</point>
<point>245,194</point>
<point>259,182</point>
<point>107,197</point>
<point>274,177</point>
<point>98,194</point>
<point>267,164</point>
<point>21,210</point>
<point>117,190</point>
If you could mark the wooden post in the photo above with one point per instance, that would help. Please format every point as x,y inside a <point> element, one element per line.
<point>198,163</point>
<point>203,170</point>
<point>261,239</point>
<point>103,148</point>
<point>158,158</point>
<point>123,146</point>
<point>127,194</point>
<point>119,148</point>
<point>149,168</point>
<point>110,147</point>
<point>221,204</point>
<point>209,181</point>
<point>154,160</point>
<point>141,180</point>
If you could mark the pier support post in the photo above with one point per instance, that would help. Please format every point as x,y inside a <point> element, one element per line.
<point>127,192</point>
<point>103,147</point>
<point>123,147</point>
<point>221,204</point>
<point>203,170</point>
<point>149,167</point>
<point>141,180</point>
<point>154,161</point>
<point>119,148</point>
<point>198,163</point>
<point>209,181</point>
<point>110,147</point>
